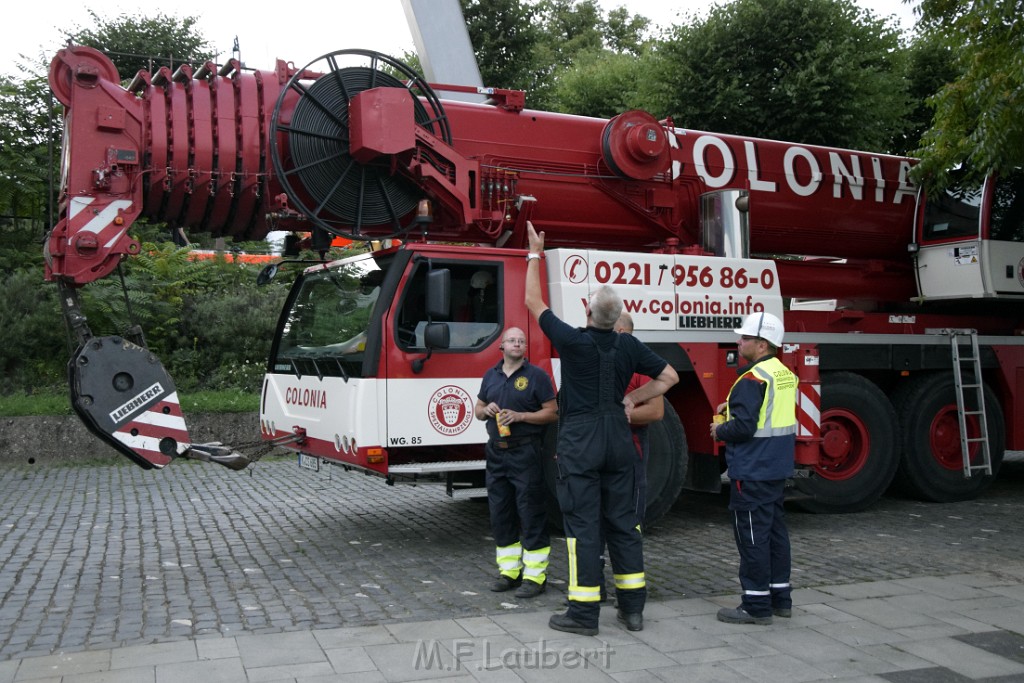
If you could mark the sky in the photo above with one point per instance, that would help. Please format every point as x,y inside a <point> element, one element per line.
<point>301,32</point>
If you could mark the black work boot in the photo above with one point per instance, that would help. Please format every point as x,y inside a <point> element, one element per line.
<point>530,589</point>
<point>563,622</point>
<point>505,583</point>
<point>738,615</point>
<point>634,621</point>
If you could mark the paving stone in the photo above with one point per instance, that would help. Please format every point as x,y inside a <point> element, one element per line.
<point>963,658</point>
<point>1008,645</point>
<point>137,557</point>
<point>215,671</point>
<point>279,649</point>
<point>930,675</point>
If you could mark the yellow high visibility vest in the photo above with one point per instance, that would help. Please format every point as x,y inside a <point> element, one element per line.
<point>778,409</point>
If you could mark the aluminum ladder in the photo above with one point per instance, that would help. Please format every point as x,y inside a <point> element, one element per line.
<point>972,364</point>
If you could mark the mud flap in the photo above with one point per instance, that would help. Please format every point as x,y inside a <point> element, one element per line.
<point>124,396</point>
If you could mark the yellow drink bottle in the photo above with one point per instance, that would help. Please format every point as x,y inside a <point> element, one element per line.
<point>503,429</point>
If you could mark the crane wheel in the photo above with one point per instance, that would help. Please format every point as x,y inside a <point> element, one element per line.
<point>859,447</point>
<point>931,464</point>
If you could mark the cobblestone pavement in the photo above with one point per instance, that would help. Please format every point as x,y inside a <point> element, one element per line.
<point>103,556</point>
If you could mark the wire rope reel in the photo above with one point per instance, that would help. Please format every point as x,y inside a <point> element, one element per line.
<point>635,145</point>
<point>354,198</point>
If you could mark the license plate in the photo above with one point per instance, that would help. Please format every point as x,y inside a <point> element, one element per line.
<point>309,462</point>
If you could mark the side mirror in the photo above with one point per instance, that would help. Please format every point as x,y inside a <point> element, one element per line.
<point>437,336</point>
<point>267,273</point>
<point>439,289</point>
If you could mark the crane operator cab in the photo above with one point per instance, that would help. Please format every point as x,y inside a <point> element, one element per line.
<point>970,241</point>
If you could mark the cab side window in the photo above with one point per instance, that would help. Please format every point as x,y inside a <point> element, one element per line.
<point>953,213</point>
<point>475,308</point>
<point>1008,208</point>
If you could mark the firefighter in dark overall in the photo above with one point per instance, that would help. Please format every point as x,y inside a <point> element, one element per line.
<point>760,436</point>
<point>516,400</point>
<point>596,457</point>
<point>639,422</point>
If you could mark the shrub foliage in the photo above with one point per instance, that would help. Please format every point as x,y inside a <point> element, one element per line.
<point>205,319</point>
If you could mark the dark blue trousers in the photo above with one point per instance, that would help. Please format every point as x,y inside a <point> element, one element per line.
<point>516,496</point>
<point>597,492</point>
<point>759,526</point>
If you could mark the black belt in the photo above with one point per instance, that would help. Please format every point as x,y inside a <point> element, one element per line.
<point>505,444</point>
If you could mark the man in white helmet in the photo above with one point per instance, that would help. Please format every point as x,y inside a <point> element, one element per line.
<point>760,436</point>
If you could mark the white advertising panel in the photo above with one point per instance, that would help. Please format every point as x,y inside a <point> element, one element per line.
<point>664,292</point>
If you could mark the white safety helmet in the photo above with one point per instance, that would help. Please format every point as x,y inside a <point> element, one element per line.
<point>763,325</point>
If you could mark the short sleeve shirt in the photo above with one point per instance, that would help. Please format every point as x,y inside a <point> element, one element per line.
<point>524,391</point>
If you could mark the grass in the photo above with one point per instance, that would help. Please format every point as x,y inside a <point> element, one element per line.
<point>54,403</point>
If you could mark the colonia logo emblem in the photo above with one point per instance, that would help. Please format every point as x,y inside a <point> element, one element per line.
<point>450,410</point>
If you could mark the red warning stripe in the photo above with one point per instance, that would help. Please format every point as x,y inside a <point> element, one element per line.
<point>808,410</point>
<point>145,431</point>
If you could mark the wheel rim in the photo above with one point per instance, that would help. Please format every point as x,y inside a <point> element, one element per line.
<point>944,438</point>
<point>845,445</point>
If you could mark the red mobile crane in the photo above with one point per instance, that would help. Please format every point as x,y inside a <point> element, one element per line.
<point>903,312</point>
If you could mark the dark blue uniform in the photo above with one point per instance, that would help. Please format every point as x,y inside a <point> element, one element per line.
<point>760,439</point>
<point>597,463</point>
<point>515,475</point>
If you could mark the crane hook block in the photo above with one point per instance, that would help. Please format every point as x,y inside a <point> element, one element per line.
<point>125,397</point>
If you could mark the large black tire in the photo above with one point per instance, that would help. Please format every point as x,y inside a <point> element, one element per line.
<point>931,464</point>
<point>666,467</point>
<point>859,450</point>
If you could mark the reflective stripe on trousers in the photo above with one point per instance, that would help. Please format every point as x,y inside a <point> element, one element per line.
<point>536,564</point>
<point>508,558</point>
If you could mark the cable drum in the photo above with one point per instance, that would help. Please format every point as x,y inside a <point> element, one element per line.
<point>310,147</point>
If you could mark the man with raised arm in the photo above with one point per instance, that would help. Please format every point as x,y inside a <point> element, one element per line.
<point>595,456</point>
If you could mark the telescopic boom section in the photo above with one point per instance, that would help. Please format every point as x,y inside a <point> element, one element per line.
<point>119,389</point>
<point>354,142</point>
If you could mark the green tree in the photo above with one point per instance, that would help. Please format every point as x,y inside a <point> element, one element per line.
<point>569,28</point>
<point>604,85</point>
<point>28,149</point>
<point>504,38</point>
<point>816,71</point>
<point>572,32</point>
<point>135,43</point>
<point>530,46</point>
<point>626,32</point>
<point>977,123</point>
<point>930,66</point>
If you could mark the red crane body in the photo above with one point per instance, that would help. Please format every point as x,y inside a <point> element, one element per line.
<point>357,145</point>
<point>193,149</point>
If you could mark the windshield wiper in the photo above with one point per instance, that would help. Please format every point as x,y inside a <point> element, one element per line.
<point>341,368</point>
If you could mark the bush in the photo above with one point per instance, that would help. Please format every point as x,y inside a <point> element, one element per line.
<point>230,336</point>
<point>207,321</point>
<point>34,345</point>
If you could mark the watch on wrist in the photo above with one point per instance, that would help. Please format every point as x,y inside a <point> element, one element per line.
<point>532,257</point>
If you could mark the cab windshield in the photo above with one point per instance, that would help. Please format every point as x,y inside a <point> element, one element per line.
<point>324,332</point>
